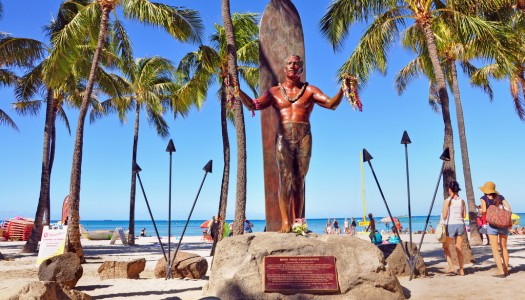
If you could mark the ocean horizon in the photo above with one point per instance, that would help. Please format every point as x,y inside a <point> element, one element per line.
<point>316,225</point>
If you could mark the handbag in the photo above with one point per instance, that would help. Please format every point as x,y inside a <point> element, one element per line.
<point>499,217</point>
<point>441,232</point>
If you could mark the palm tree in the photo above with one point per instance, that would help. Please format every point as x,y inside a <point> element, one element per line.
<point>151,87</point>
<point>182,24</point>
<point>69,90</point>
<point>210,64</point>
<point>240,203</point>
<point>451,50</point>
<point>372,50</point>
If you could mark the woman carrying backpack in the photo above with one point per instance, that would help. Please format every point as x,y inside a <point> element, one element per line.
<point>492,197</point>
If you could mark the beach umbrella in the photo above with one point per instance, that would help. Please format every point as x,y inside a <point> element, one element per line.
<point>206,224</point>
<point>389,220</point>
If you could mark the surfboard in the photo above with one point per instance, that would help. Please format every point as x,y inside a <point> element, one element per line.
<point>65,209</point>
<point>280,34</point>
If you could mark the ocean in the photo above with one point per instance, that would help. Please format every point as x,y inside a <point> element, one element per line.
<point>193,229</point>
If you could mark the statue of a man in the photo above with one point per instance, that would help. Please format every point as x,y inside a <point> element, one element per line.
<point>294,101</point>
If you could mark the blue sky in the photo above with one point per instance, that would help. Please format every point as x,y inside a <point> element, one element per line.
<point>333,185</point>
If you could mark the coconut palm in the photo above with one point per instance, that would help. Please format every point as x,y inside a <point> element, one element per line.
<point>452,50</point>
<point>69,91</point>
<point>182,24</point>
<point>231,52</point>
<point>149,86</point>
<point>387,17</point>
<point>210,64</point>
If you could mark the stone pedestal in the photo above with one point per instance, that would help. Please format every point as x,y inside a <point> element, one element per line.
<point>237,270</point>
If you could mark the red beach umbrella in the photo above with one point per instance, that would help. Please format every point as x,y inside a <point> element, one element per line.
<point>206,224</point>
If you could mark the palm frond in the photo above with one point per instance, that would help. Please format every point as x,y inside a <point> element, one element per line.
<point>30,84</point>
<point>371,52</point>
<point>433,97</point>
<point>7,121</point>
<point>470,70</point>
<point>65,51</point>
<point>123,44</point>
<point>112,84</point>
<point>28,107</point>
<point>7,77</point>
<point>61,114</point>
<point>183,24</point>
<point>20,52</point>
<point>251,76</point>
<point>341,14</point>
<point>408,73</point>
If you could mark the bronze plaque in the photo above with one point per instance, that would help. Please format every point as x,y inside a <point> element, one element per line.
<point>296,274</point>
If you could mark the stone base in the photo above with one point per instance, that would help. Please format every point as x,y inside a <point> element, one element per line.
<point>237,270</point>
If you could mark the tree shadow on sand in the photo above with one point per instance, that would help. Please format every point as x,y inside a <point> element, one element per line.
<point>148,293</point>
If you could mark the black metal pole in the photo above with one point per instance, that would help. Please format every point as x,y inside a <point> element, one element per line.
<point>445,157</point>
<point>137,169</point>
<point>170,149</point>
<point>406,140</point>
<point>207,169</point>
<point>366,158</point>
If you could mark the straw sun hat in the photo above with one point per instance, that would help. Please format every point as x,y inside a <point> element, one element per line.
<point>489,188</point>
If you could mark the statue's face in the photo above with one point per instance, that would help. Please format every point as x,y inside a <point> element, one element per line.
<point>293,66</point>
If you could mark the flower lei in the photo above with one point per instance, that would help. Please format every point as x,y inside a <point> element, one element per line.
<point>300,227</point>
<point>233,93</point>
<point>349,87</point>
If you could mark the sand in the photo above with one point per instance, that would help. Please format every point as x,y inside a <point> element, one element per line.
<point>18,269</point>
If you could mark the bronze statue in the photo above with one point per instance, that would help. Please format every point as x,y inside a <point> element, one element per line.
<point>294,101</point>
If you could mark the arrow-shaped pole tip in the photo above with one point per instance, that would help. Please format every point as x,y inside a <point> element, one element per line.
<point>136,168</point>
<point>171,147</point>
<point>366,156</point>
<point>208,167</point>
<point>405,140</point>
<point>445,156</point>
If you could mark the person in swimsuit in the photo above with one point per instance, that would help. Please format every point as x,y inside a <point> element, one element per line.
<point>454,213</point>
<point>294,101</point>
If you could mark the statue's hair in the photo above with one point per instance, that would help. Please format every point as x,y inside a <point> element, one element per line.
<point>294,55</point>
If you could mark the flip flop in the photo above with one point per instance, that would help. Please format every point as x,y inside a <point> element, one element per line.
<point>451,274</point>
<point>499,276</point>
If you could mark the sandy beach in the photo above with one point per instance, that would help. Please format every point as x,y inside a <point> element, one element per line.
<point>18,269</point>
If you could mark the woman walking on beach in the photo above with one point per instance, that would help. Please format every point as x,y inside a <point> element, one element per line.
<point>453,214</point>
<point>492,197</point>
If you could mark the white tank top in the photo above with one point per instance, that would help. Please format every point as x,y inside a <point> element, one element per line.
<point>455,213</point>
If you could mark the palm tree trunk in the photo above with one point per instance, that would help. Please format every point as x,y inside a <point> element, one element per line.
<point>475,238</point>
<point>51,159</point>
<point>225,171</point>
<point>32,243</point>
<point>73,233</point>
<point>449,172</point>
<point>131,235</point>
<point>240,204</point>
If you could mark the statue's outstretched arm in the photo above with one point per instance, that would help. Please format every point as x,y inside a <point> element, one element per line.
<point>256,104</point>
<point>325,101</point>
